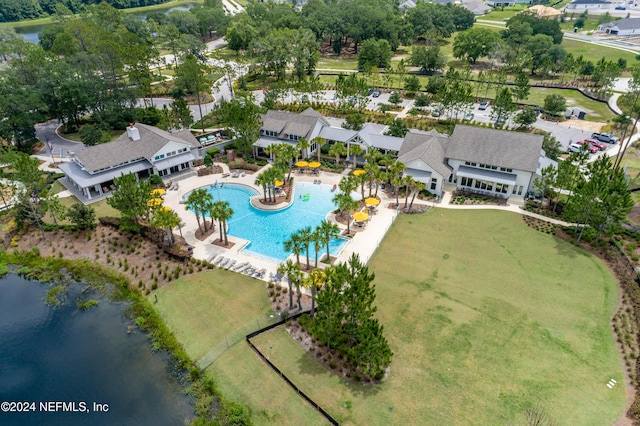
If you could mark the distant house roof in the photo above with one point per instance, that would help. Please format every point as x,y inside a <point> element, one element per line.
<point>496,147</point>
<point>428,147</point>
<point>408,4</point>
<point>125,151</point>
<point>478,7</point>
<point>624,24</point>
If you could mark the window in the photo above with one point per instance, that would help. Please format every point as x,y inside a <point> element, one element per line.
<point>520,190</point>
<point>434,183</point>
<point>466,182</point>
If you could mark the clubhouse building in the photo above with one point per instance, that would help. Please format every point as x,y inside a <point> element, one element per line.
<point>142,150</point>
<point>487,161</point>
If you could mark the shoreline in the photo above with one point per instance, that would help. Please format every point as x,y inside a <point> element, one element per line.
<point>29,264</point>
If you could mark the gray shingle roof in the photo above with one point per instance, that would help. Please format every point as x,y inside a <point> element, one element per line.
<point>500,148</point>
<point>337,134</point>
<point>624,24</point>
<point>429,147</point>
<point>125,151</point>
<point>371,134</point>
<point>288,123</point>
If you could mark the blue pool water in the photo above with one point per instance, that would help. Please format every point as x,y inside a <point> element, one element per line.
<point>267,230</point>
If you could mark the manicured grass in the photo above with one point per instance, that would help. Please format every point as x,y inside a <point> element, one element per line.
<point>486,317</point>
<point>75,136</point>
<point>594,52</point>
<point>202,309</point>
<point>337,64</point>
<point>101,207</point>
<point>503,14</point>
<point>597,111</point>
<point>243,377</point>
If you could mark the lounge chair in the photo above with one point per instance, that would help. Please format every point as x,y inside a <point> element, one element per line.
<point>230,265</point>
<point>235,174</point>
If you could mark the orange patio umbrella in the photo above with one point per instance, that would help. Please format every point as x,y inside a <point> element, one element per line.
<point>358,172</point>
<point>302,164</point>
<point>314,164</point>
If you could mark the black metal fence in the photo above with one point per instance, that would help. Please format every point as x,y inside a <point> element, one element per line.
<point>280,373</point>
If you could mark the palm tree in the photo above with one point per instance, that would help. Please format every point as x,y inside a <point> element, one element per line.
<point>287,154</point>
<point>294,245</point>
<point>302,146</point>
<point>262,181</point>
<point>329,231</point>
<point>294,275</point>
<point>222,211</point>
<point>320,143</point>
<point>196,201</point>
<point>316,240</point>
<point>315,280</point>
<point>372,172</point>
<point>362,179</point>
<point>408,183</point>
<point>167,220</point>
<point>305,236</point>
<point>417,188</point>
<point>345,203</point>
<point>355,150</point>
<point>338,149</point>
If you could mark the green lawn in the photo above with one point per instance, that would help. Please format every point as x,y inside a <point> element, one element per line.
<point>202,309</point>
<point>503,14</point>
<point>485,316</point>
<point>594,52</point>
<point>597,111</point>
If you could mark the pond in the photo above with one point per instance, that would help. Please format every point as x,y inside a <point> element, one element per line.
<point>51,356</point>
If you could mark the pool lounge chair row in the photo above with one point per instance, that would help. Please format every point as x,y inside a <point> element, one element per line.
<point>245,268</point>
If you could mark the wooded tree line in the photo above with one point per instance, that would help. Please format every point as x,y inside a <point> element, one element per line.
<point>17,10</point>
<point>92,70</point>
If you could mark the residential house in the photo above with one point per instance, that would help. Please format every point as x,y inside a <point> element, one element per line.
<point>621,27</point>
<point>142,150</point>
<point>501,3</point>
<point>582,5</point>
<point>477,7</point>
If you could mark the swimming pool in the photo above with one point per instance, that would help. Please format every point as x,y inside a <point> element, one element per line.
<point>268,230</point>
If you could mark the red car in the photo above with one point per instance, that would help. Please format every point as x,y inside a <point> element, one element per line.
<point>592,149</point>
<point>595,142</point>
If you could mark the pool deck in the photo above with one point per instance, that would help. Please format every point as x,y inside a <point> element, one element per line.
<point>364,243</point>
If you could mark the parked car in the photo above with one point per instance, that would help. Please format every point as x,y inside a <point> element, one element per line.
<point>580,145</point>
<point>468,116</point>
<point>595,142</point>
<point>620,8</point>
<point>375,93</point>
<point>605,137</point>
<point>483,105</point>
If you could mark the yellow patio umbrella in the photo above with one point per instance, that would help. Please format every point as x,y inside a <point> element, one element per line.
<point>371,201</point>
<point>278,183</point>
<point>158,192</point>
<point>302,164</point>
<point>314,164</point>
<point>358,172</point>
<point>361,216</point>
<point>154,202</point>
